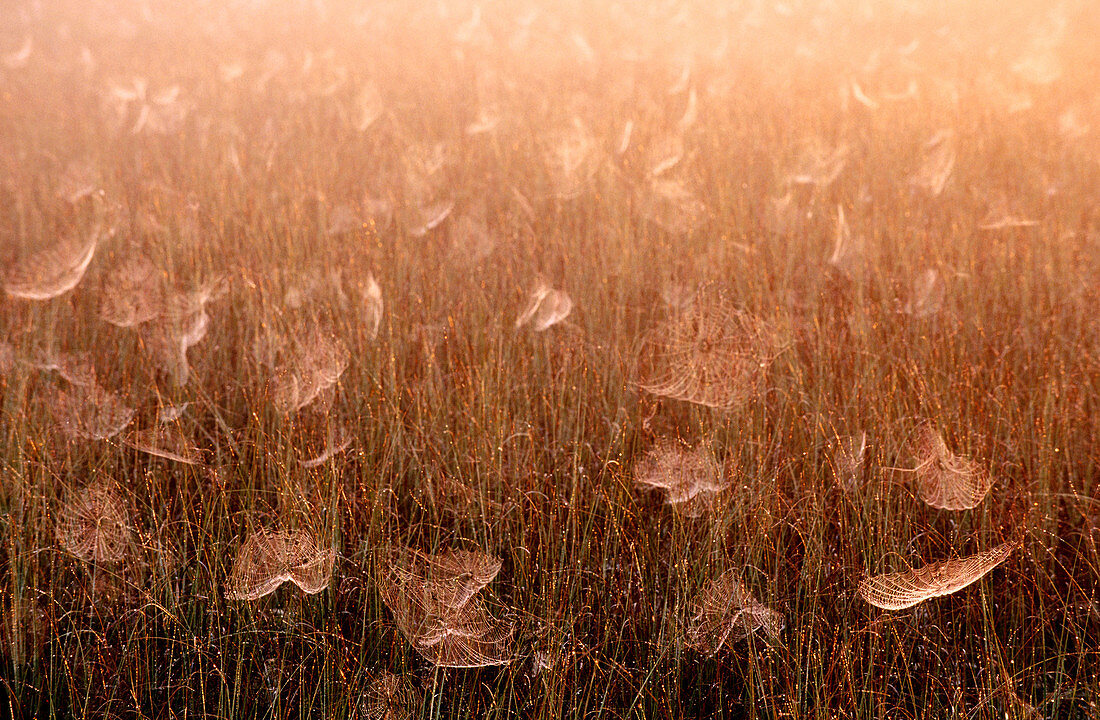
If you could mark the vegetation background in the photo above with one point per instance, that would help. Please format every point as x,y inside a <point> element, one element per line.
<point>458,153</point>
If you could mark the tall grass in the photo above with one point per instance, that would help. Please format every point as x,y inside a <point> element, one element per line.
<point>470,433</point>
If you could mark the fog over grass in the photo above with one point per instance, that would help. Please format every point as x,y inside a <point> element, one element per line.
<point>549,359</point>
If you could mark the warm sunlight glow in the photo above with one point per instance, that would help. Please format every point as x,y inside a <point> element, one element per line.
<point>563,359</point>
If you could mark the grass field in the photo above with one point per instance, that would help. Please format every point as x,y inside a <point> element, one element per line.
<point>759,236</point>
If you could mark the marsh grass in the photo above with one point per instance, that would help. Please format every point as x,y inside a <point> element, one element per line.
<point>226,140</point>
